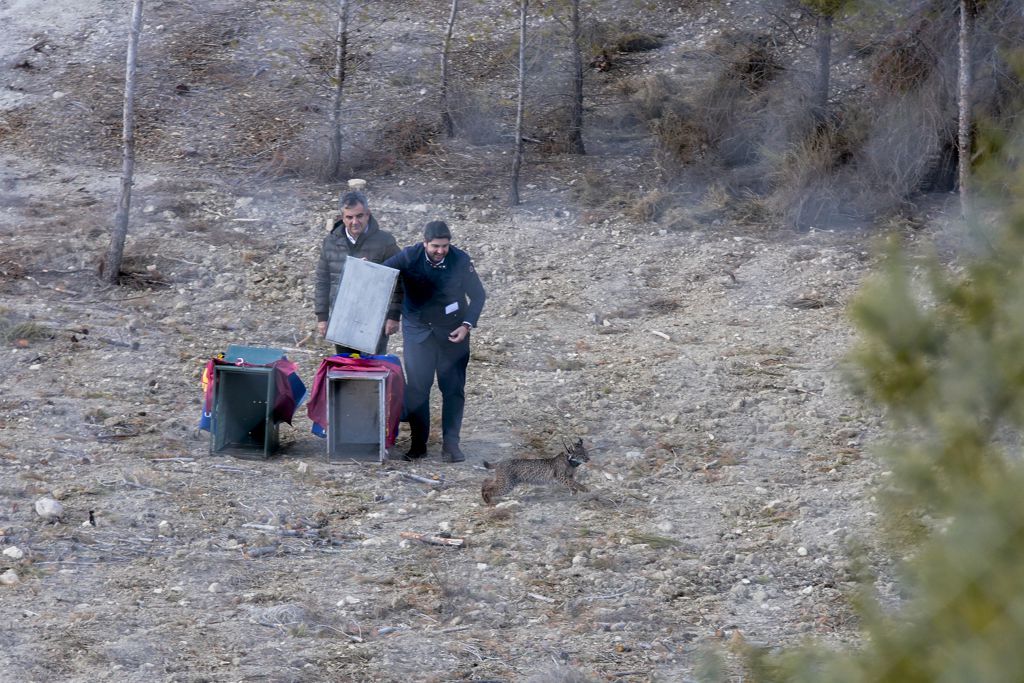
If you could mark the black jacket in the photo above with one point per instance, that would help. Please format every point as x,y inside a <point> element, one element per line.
<point>439,298</point>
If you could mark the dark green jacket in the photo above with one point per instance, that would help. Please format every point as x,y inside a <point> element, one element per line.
<point>374,245</point>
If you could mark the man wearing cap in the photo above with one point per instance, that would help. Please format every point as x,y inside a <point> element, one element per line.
<point>443,298</point>
<point>355,235</point>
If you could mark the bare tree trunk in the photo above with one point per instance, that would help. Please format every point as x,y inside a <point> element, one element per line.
<point>576,110</point>
<point>517,157</point>
<point>446,116</point>
<point>824,50</point>
<point>333,170</point>
<point>967,11</point>
<point>115,253</point>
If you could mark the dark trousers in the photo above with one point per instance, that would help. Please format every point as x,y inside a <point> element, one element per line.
<point>426,355</point>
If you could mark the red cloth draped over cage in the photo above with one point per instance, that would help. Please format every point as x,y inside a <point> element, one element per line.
<point>394,389</point>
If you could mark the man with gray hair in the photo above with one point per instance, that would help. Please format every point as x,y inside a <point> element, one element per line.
<point>355,234</point>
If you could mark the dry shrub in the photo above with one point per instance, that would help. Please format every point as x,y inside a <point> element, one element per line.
<point>293,161</point>
<point>398,140</point>
<point>680,141</point>
<point>364,161</point>
<point>637,42</point>
<point>805,176</point>
<point>906,141</point>
<point>592,190</point>
<point>407,137</point>
<point>595,35</point>
<point>909,59</point>
<point>726,115</point>
<point>22,332</point>
<point>649,207</point>
<point>999,75</point>
<point>135,274</point>
<point>679,219</point>
<point>901,66</point>
<point>751,208</point>
<point>652,96</point>
<point>552,129</point>
<point>601,195</point>
<point>749,59</point>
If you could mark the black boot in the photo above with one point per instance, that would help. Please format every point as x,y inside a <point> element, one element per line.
<point>416,451</point>
<point>452,453</point>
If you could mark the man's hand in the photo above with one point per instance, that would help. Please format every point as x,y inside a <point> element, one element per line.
<point>321,328</point>
<point>390,327</point>
<point>458,334</point>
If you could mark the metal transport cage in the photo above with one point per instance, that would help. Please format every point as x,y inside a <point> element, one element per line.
<point>243,404</point>
<point>356,415</point>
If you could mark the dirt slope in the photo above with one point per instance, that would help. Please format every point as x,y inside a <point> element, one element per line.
<point>703,368</point>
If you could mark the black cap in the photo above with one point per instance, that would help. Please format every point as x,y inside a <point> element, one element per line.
<point>436,230</point>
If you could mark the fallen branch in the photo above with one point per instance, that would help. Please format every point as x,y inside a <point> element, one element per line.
<point>350,636</point>
<point>110,436</point>
<point>281,531</point>
<point>542,598</point>
<point>423,480</point>
<point>434,540</point>
<point>229,468</point>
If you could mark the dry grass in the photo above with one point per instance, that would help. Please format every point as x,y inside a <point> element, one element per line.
<point>681,140</point>
<point>805,175</point>
<point>22,332</point>
<point>600,194</point>
<point>653,540</point>
<point>651,97</point>
<point>648,208</point>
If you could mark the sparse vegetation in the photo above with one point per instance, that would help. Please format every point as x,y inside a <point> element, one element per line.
<point>22,332</point>
<point>645,298</point>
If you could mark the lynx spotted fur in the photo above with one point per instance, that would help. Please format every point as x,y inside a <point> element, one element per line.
<point>560,468</point>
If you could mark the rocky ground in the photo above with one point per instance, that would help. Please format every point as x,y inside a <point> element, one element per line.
<point>702,367</point>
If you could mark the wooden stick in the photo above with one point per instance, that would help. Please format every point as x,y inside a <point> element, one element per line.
<point>423,480</point>
<point>434,540</point>
<point>229,468</point>
<point>542,598</point>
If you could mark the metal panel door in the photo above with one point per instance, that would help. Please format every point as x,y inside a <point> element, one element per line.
<point>361,305</point>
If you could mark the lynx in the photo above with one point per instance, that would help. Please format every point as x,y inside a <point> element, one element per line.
<point>560,468</point>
